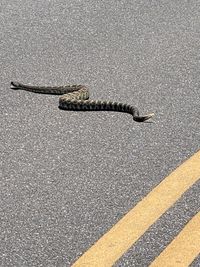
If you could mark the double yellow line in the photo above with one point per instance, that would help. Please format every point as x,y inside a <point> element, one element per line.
<point>112,245</point>
<point>184,248</point>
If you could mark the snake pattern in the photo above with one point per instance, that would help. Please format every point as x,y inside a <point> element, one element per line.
<point>76,97</point>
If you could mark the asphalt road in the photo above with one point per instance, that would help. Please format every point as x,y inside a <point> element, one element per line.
<point>68,177</point>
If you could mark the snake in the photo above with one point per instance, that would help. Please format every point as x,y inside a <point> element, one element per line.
<point>76,97</point>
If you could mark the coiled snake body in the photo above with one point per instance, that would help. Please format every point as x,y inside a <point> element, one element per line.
<point>76,97</point>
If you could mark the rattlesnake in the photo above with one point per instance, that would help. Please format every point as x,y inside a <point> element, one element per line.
<point>76,97</point>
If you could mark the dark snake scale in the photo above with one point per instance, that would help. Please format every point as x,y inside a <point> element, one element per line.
<point>76,97</point>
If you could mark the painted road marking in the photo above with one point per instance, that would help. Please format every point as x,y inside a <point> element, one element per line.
<point>184,248</point>
<point>112,245</point>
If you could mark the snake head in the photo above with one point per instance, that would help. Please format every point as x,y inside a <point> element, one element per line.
<point>14,85</point>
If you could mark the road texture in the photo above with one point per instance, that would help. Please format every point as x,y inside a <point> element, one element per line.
<point>68,177</point>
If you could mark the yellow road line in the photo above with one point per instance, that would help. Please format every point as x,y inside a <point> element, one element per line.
<point>184,248</point>
<point>112,245</point>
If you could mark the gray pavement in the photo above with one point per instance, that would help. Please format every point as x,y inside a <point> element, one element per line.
<point>68,177</point>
